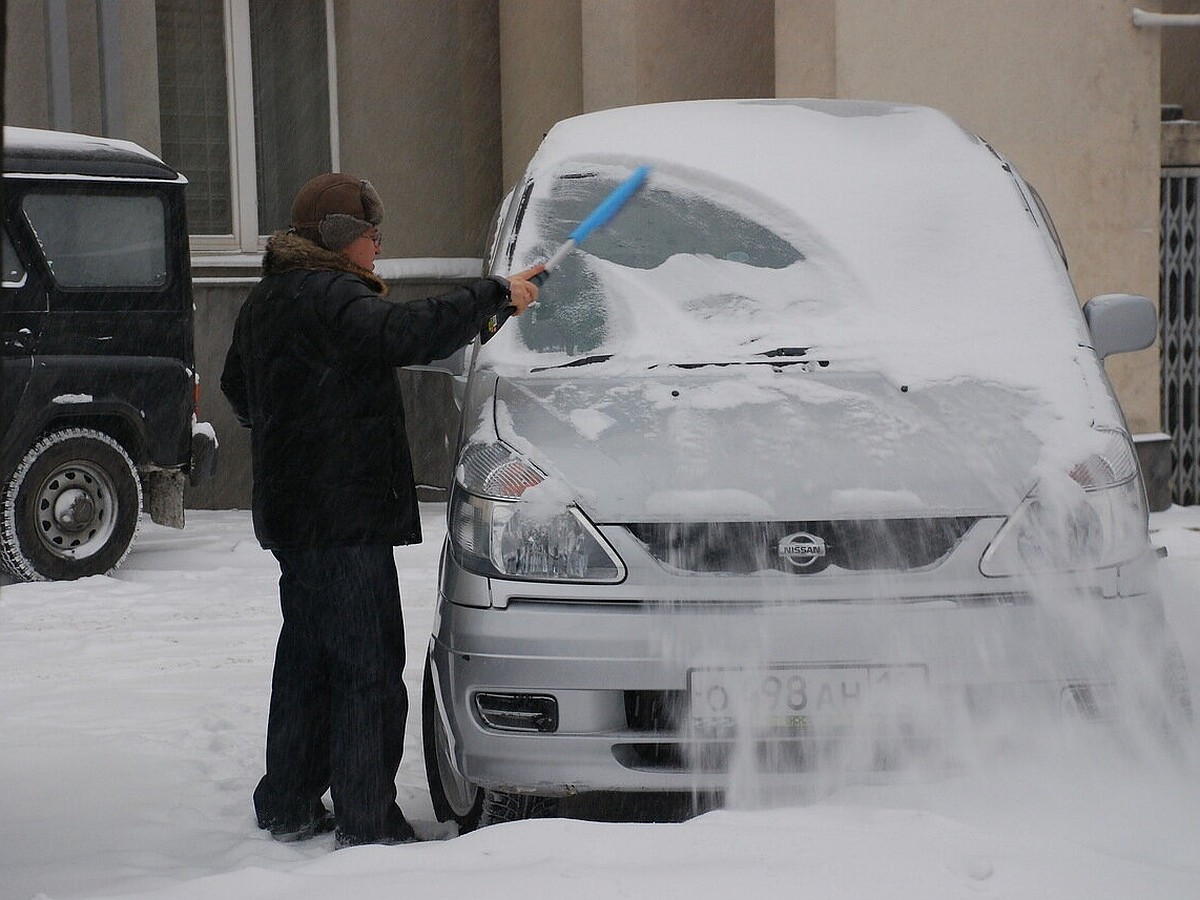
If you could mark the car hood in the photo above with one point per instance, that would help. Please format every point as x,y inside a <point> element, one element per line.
<point>748,442</point>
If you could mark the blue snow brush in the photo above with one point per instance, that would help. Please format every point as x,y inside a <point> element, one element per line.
<point>597,218</point>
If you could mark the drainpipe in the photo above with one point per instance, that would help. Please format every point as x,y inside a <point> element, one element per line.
<point>1143,19</point>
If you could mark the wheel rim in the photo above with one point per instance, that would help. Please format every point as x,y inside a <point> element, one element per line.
<point>460,794</point>
<point>76,509</point>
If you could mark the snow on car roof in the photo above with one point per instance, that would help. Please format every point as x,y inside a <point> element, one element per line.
<point>43,152</point>
<point>943,272</point>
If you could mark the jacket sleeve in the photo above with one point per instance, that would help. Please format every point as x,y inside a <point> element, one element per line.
<point>365,326</point>
<point>233,382</point>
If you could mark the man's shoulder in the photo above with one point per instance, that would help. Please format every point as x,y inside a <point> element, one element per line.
<point>314,283</point>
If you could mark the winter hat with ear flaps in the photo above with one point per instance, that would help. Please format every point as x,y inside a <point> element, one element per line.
<point>335,209</point>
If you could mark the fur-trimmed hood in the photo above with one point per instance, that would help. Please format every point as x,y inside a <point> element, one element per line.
<point>286,250</point>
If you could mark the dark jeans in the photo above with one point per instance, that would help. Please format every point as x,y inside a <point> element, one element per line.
<point>338,703</point>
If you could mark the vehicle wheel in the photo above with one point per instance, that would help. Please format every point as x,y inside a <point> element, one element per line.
<point>71,507</point>
<point>454,797</point>
<point>499,806</point>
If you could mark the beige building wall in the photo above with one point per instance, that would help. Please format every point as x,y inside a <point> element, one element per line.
<point>650,52</point>
<point>541,74</point>
<point>84,54</point>
<point>26,75</point>
<point>419,110</point>
<point>597,54</point>
<point>805,48</point>
<point>729,50</point>
<point>26,93</point>
<point>139,73</point>
<point>1074,106</point>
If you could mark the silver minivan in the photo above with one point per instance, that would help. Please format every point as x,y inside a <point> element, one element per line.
<point>807,460</point>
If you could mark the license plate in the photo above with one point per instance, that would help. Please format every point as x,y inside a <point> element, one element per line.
<point>801,699</point>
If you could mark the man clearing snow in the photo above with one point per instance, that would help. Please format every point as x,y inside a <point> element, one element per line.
<point>311,371</point>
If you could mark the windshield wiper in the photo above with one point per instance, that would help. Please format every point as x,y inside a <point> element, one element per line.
<point>749,362</point>
<point>582,361</point>
<point>780,356</point>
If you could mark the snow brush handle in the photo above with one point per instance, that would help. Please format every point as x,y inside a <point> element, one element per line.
<point>598,217</point>
<point>610,205</point>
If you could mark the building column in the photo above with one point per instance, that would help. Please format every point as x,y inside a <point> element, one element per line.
<point>805,48</point>
<point>541,74</point>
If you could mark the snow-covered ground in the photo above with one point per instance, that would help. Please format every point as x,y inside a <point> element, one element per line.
<point>131,718</point>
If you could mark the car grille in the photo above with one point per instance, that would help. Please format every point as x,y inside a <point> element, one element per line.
<point>801,548</point>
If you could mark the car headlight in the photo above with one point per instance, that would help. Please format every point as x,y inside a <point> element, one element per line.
<point>507,520</point>
<point>1092,515</point>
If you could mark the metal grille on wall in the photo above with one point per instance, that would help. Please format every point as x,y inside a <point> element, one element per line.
<point>1179,305</point>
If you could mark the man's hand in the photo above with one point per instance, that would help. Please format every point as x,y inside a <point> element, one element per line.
<point>523,292</point>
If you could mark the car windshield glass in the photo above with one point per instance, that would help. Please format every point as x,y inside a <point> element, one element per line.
<point>678,275</point>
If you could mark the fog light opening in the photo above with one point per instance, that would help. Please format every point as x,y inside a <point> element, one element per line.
<point>536,713</point>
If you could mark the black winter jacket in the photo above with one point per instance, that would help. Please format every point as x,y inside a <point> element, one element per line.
<point>311,371</point>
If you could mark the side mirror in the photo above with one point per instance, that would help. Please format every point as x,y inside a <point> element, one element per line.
<point>456,366</point>
<point>1120,323</point>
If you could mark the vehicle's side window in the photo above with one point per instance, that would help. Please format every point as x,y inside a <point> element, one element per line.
<point>14,272</point>
<point>96,240</point>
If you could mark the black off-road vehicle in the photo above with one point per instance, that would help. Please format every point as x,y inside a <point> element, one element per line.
<point>99,406</point>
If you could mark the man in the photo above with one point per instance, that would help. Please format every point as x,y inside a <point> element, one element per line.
<point>311,371</point>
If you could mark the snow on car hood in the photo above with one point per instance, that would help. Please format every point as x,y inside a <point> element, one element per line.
<point>758,442</point>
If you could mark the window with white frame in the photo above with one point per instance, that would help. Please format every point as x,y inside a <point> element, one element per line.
<point>247,110</point>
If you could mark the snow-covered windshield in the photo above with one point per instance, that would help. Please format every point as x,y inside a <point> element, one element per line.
<point>679,275</point>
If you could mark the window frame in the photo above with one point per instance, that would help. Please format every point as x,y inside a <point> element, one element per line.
<point>11,245</point>
<point>246,236</point>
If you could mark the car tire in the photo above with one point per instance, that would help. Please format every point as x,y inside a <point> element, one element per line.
<point>71,508</point>
<point>500,806</point>
<point>454,797</point>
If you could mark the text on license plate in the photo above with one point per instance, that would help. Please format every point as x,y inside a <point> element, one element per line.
<point>795,697</point>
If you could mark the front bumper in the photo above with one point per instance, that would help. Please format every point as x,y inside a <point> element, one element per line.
<point>619,674</point>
